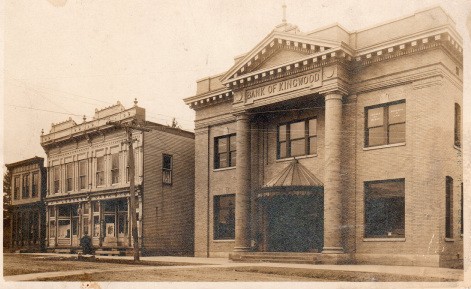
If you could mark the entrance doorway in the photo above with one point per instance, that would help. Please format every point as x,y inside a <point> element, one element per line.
<point>292,223</point>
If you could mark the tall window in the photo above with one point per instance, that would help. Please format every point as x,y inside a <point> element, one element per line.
<point>457,125</point>
<point>224,217</point>
<point>16,188</point>
<point>115,168</point>
<point>297,138</point>
<point>127,166</point>
<point>385,124</point>
<point>385,209</point>
<point>449,208</point>
<point>167,166</point>
<point>100,171</point>
<point>83,174</point>
<point>225,151</point>
<point>25,187</point>
<point>35,185</point>
<point>56,173</point>
<point>69,168</point>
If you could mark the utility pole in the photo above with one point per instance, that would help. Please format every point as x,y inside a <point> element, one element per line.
<point>130,127</point>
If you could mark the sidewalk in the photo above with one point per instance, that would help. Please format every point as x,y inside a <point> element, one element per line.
<point>455,274</point>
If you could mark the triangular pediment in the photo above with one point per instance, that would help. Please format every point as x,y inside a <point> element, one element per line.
<point>277,48</point>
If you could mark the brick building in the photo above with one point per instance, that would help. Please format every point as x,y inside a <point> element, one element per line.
<point>28,214</point>
<point>345,146</point>
<point>89,189</point>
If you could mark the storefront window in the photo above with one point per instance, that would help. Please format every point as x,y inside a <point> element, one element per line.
<point>64,229</point>
<point>52,229</point>
<point>96,226</point>
<point>224,217</point>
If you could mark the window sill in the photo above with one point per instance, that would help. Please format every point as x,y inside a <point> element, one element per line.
<point>224,241</point>
<point>224,169</point>
<point>449,240</point>
<point>384,239</point>
<point>457,147</point>
<point>384,146</point>
<point>292,158</point>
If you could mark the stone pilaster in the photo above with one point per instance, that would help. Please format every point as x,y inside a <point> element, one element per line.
<point>242,206</point>
<point>332,176</point>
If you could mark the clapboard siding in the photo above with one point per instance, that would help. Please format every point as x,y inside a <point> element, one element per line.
<point>168,210</point>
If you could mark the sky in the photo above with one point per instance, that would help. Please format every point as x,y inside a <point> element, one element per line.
<point>65,58</point>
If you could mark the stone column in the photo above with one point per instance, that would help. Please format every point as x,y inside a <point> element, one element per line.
<point>242,206</point>
<point>332,176</point>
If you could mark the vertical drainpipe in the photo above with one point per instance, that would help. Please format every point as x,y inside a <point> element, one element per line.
<point>208,196</point>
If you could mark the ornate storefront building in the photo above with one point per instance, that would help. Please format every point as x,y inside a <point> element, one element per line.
<point>343,146</point>
<point>89,189</point>
<point>28,214</point>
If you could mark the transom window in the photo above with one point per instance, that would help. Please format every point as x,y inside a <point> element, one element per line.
<point>167,169</point>
<point>225,151</point>
<point>385,209</point>
<point>297,138</point>
<point>100,171</point>
<point>385,124</point>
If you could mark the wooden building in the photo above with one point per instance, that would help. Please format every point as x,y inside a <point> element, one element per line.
<point>89,192</point>
<point>28,214</point>
<point>342,145</point>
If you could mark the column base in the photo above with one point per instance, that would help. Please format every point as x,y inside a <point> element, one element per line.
<point>332,250</point>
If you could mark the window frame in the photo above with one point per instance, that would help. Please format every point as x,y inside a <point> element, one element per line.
<point>167,178</point>
<point>449,208</point>
<point>366,212</point>
<point>386,125</point>
<point>34,184</point>
<point>69,180</point>
<point>56,179</point>
<point>308,138</point>
<point>25,194</point>
<point>115,170</point>
<point>16,187</point>
<point>83,177</point>
<point>228,151</point>
<point>101,172</point>
<point>457,125</point>
<point>216,214</point>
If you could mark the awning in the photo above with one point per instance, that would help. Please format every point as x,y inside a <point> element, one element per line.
<point>295,179</point>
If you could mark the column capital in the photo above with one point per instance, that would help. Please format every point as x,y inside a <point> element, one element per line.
<point>333,95</point>
<point>242,116</point>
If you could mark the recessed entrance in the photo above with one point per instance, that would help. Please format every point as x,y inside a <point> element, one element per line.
<point>292,223</point>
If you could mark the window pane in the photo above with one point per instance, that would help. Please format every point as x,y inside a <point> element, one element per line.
<point>222,145</point>
<point>224,217</point>
<point>83,168</point>
<point>282,133</point>
<point>375,117</point>
<point>223,160</point>
<point>282,152</point>
<point>64,211</point>
<point>397,133</point>
<point>376,136</point>
<point>312,145</point>
<point>233,159</point>
<point>296,130</point>
<point>63,229</point>
<point>96,226</point>
<point>167,162</point>
<point>85,226</point>
<point>385,209</point>
<point>298,147</point>
<point>312,127</point>
<point>100,164</point>
<point>52,229</point>
<point>397,113</point>
<point>114,161</point>
<point>70,170</point>
<point>233,143</point>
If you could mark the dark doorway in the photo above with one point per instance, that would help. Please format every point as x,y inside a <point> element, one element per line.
<point>293,223</point>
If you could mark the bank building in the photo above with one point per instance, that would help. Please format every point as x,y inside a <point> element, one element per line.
<point>335,146</point>
<point>89,187</point>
